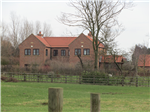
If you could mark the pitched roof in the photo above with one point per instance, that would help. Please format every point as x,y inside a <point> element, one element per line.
<point>100,45</point>
<point>59,41</point>
<point>144,59</point>
<point>110,59</point>
<point>42,40</point>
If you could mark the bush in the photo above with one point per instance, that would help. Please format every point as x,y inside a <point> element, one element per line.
<point>4,61</point>
<point>99,77</point>
<point>8,79</point>
<point>94,77</point>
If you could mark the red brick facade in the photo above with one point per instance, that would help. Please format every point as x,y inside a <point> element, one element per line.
<point>82,42</point>
<point>58,48</point>
<point>33,43</point>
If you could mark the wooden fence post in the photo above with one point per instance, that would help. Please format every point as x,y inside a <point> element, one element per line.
<point>123,78</point>
<point>80,79</point>
<point>65,78</point>
<point>55,99</point>
<point>94,79</point>
<point>24,76</point>
<point>52,76</point>
<point>95,102</point>
<point>38,78</point>
<point>136,81</point>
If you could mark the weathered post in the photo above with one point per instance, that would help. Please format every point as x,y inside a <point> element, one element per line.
<point>38,77</point>
<point>136,81</point>
<point>94,79</point>
<point>65,78</point>
<point>95,102</point>
<point>55,99</point>
<point>24,76</point>
<point>80,79</point>
<point>52,76</point>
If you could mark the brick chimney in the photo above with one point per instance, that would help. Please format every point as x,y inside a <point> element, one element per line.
<point>89,34</point>
<point>40,34</point>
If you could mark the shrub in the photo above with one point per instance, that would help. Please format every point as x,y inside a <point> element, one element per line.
<point>3,78</point>
<point>11,79</point>
<point>94,77</point>
<point>99,77</point>
<point>8,79</point>
<point>4,61</point>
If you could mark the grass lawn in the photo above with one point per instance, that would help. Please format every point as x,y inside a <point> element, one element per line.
<point>33,97</point>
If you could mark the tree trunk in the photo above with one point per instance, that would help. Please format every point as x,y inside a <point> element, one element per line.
<point>80,60</point>
<point>96,57</point>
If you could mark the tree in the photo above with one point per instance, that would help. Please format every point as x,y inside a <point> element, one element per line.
<point>26,29</point>
<point>6,46</point>
<point>37,27</point>
<point>47,30</point>
<point>94,16</point>
<point>141,51</point>
<point>14,33</point>
<point>136,51</point>
<point>108,39</point>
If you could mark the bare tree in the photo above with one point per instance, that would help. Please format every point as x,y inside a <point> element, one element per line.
<point>135,51</point>
<point>47,30</point>
<point>37,27</point>
<point>14,30</point>
<point>6,46</point>
<point>26,29</point>
<point>94,16</point>
<point>143,57</point>
<point>14,33</point>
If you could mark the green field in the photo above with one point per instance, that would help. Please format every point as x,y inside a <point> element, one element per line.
<point>33,97</point>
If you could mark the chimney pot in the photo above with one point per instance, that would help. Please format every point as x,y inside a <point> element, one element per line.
<point>89,34</point>
<point>40,34</point>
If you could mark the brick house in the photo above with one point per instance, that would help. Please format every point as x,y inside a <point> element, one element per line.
<point>37,49</point>
<point>111,63</point>
<point>144,61</point>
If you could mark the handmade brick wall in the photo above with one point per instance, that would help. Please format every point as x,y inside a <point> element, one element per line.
<point>59,57</point>
<point>33,59</point>
<point>81,42</point>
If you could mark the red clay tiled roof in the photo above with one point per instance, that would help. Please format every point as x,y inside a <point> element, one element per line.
<point>100,45</point>
<point>110,59</point>
<point>59,41</point>
<point>144,59</point>
<point>43,41</point>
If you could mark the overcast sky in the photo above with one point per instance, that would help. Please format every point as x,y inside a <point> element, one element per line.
<point>135,20</point>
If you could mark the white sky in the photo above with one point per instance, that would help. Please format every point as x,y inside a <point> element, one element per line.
<point>135,20</point>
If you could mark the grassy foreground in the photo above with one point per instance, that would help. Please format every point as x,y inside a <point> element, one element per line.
<point>33,97</point>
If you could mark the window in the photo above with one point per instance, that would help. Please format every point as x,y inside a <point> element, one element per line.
<point>46,52</point>
<point>63,53</point>
<point>68,52</point>
<point>78,51</point>
<point>55,52</point>
<point>86,52</point>
<point>27,52</point>
<point>35,51</point>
